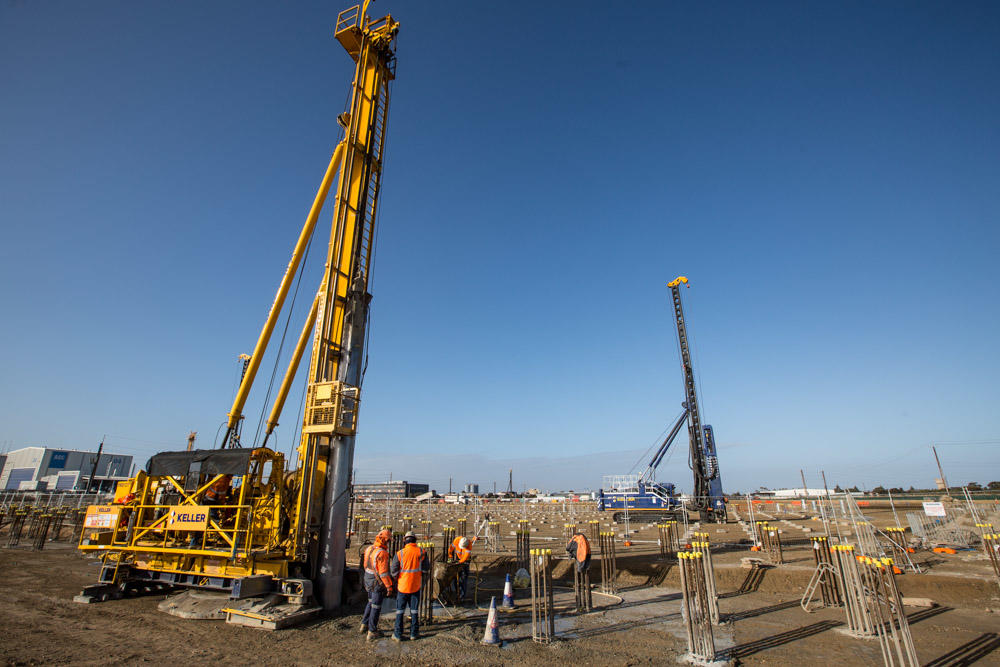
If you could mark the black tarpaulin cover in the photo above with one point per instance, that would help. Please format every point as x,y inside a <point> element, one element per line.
<point>213,462</point>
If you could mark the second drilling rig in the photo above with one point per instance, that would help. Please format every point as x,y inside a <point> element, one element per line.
<point>233,520</point>
<point>641,494</point>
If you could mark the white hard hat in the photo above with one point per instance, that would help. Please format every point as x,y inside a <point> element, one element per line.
<point>464,543</point>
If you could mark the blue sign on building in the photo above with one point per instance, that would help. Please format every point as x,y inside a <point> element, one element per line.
<point>58,460</point>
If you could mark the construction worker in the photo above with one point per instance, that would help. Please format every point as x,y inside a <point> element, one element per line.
<point>579,548</point>
<point>407,568</point>
<point>378,582</point>
<point>216,494</point>
<point>461,552</point>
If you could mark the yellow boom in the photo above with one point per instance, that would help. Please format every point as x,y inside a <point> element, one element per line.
<point>275,531</point>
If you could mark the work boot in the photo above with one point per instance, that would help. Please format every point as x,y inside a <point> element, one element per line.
<point>396,638</point>
<point>414,636</point>
<point>372,636</point>
<point>364,628</point>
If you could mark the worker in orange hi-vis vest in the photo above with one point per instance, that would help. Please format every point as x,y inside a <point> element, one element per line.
<point>408,567</point>
<point>460,550</point>
<point>579,549</point>
<point>378,582</point>
<point>216,494</point>
<point>218,491</point>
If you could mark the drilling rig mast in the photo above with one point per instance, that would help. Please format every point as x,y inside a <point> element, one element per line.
<point>641,494</point>
<point>707,498</point>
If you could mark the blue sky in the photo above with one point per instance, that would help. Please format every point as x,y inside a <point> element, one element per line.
<point>825,174</point>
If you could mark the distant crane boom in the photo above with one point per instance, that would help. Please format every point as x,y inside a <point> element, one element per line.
<point>702,458</point>
<point>664,446</point>
<point>655,501</point>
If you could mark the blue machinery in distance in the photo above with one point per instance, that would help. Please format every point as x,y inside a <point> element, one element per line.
<point>656,501</point>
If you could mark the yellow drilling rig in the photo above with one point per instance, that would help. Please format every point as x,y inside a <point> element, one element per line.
<point>232,520</point>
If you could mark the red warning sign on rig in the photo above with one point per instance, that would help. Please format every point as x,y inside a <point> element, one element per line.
<point>188,517</point>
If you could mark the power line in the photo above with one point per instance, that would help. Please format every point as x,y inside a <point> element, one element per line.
<point>966,443</point>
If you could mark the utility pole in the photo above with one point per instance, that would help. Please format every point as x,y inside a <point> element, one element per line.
<point>805,491</point>
<point>944,480</point>
<point>191,436</point>
<point>449,485</point>
<point>93,469</point>
<point>510,481</point>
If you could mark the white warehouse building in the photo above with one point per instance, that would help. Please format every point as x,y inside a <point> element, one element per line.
<point>48,469</point>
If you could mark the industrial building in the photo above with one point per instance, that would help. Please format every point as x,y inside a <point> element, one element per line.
<point>392,489</point>
<point>47,469</point>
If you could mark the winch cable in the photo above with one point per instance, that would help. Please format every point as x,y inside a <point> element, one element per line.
<point>281,344</point>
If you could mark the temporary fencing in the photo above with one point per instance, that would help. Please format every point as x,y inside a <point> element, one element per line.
<point>932,531</point>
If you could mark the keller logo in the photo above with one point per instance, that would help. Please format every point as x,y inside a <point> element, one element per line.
<point>188,518</point>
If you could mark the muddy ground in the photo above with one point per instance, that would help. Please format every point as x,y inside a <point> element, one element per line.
<point>764,624</point>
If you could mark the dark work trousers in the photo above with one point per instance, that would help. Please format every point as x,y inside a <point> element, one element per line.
<point>463,581</point>
<point>402,600</point>
<point>373,610</point>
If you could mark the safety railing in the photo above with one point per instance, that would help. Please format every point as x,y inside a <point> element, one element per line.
<point>944,530</point>
<point>621,483</point>
<point>188,529</point>
<point>17,499</point>
<point>349,18</point>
